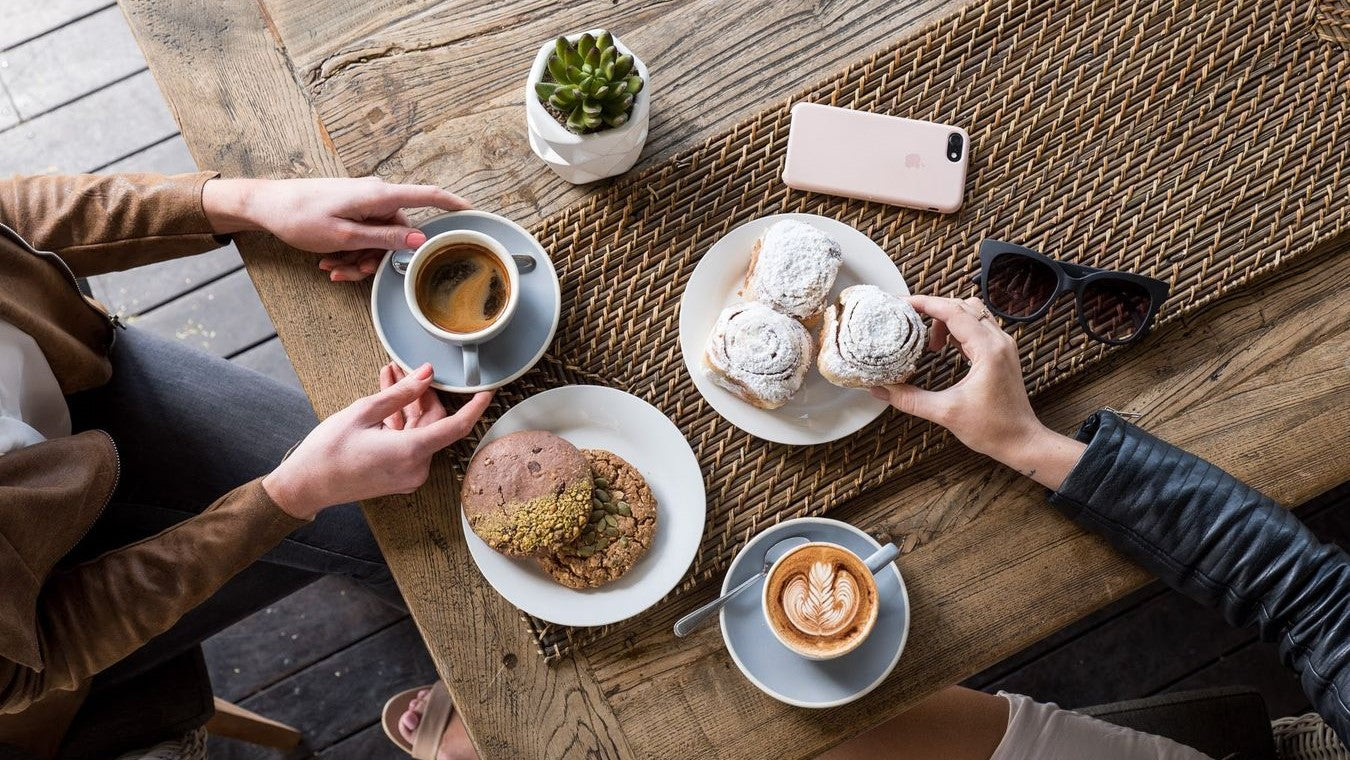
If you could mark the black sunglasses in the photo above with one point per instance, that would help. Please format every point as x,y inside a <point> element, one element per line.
<point>1020,284</point>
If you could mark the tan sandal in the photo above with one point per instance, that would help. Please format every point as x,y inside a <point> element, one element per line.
<point>435,719</point>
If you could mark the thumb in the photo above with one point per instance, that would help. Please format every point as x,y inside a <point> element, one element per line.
<point>384,236</point>
<point>912,400</point>
<point>375,408</point>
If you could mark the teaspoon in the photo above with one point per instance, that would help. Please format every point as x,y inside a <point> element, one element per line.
<point>686,625</point>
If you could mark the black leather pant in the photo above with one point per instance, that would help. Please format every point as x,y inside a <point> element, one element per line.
<point>1222,543</point>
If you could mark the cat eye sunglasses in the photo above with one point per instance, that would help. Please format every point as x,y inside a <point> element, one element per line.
<point>1020,285</point>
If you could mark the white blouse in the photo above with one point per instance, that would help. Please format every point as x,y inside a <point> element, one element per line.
<point>32,408</point>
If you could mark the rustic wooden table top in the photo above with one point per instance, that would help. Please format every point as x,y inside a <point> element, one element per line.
<point>430,91</point>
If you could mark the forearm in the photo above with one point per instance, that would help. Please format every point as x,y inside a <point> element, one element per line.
<point>102,223</point>
<point>98,612</point>
<point>1222,543</point>
<point>1043,455</point>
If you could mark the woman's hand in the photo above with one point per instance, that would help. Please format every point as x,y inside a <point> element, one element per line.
<point>380,445</point>
<point>987,410</point>
<point>353,221</point>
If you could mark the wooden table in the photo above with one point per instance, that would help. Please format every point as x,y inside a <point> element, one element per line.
<point>430,91</point>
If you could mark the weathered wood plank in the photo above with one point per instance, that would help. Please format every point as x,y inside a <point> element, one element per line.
<point>265,648</point>
<point>1246,384</point>
<point>1256,664</point>
<point>1137,654</point>
<point>369,743</point>
<point>458,118</point>
<point>1030,657</point>
<point>270,359</point>
<point>137,291</point>
<point>222,318</point>
<point>170,156</point>
<point>89,133</point>
<point>9,115</point>
<point>25,20</point>
<point>59,67</point>
<point>255,121</point>
<point>344,693</point>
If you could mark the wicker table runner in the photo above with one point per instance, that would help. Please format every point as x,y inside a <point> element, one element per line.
<point>1204,144</point>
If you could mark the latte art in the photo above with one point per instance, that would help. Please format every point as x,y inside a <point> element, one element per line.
<point>823,602</point>
<point>820,600</point>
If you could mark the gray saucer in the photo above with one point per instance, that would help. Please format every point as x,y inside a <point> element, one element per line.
<point>793,679</point>
<point>504,358</point>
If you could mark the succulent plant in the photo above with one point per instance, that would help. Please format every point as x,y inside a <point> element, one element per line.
<point>592,84</point>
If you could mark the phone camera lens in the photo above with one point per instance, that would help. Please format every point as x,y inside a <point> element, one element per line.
<point>955,144</point>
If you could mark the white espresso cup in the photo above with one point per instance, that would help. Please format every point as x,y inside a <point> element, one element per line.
<point>820,580</point>
<point>467,342</point>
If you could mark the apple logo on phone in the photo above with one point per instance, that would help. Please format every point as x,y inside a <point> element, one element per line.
<point>913,161</point>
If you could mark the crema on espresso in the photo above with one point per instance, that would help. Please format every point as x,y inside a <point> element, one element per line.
<point>463,288</point>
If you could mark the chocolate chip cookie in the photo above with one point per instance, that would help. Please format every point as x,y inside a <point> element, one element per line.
<point>619,529</point>
<point>527,492</point>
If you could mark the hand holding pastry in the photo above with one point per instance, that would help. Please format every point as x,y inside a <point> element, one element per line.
<point>988,409</point>
<point>870,338</point>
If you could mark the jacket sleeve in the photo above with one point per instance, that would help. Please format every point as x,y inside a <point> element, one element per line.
<point>107,222</point>
<point>95,613</point>
<point>1223,544</point>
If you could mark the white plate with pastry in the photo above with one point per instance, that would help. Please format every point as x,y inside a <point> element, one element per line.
<point>751,322</point>
<point>609,471</point>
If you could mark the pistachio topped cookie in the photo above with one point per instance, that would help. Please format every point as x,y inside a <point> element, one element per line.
<point>527,492</point>
<point>619,529</point>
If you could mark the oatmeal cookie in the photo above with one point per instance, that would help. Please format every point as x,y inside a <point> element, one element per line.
<point>619,530</point>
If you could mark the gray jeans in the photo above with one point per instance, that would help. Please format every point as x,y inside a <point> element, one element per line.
<point>189,428</point>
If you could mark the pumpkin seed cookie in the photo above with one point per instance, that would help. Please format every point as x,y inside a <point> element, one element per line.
<point>527,492</point>
<point>620,528</point>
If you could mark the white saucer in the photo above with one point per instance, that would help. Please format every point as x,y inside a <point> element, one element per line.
<point>595,417</point>
<point>820,412</point>
<point>787,676</point>
<point>504,358</point>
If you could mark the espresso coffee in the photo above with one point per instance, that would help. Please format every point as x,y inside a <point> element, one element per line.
<point>821,600</point>
<point>462,288</point>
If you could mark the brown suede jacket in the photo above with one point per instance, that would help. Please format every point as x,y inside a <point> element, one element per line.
<point>62,623</point>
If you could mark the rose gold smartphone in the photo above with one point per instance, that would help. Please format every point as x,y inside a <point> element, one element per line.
<point>918,164</point>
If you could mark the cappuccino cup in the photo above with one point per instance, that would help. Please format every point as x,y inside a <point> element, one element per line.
<point>463,287</point>
<point>820,600</point>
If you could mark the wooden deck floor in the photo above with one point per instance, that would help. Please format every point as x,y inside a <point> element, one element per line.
<point>325,658</point>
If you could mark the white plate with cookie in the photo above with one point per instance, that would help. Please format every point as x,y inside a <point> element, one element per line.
<point>818,412</point>
<point>613,430</point>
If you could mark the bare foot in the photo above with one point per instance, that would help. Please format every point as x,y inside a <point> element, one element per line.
<point>455,744</point>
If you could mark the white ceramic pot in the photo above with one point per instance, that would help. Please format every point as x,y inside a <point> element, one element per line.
<point>586,158</point>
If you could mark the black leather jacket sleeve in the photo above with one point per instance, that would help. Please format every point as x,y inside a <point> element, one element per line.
<point>1221,543</point>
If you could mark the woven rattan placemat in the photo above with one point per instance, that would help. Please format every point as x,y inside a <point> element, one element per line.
<point>1203,143</point>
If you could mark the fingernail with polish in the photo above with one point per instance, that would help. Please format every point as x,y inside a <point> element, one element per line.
<point>415,239</point>
<point>424,372</point>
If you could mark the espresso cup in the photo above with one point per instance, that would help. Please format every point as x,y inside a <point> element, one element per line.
<point>467,341</point>
<point>820,600</point>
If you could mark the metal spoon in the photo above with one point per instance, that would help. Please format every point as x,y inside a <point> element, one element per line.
<point>524,261</point>
<point>686,625</point>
